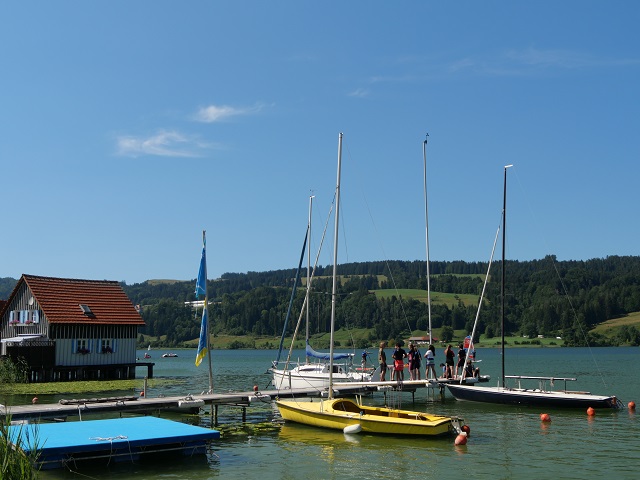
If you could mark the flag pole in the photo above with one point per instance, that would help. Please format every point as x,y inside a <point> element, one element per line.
<point>206,306</point>
<point>204,343</point>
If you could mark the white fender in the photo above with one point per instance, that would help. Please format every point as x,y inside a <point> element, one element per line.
<point>356,428</point>
<point>259,398</point>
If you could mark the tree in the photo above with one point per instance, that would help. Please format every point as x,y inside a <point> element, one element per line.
<point>446,334</point>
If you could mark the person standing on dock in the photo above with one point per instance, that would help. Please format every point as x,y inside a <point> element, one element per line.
<point>398,363</point>
<point>414,362</point>
<point>448,360</point>
<point>382,360</point>
<point>430,360</point>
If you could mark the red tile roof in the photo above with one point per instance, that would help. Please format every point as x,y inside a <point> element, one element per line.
<point>60,300</point>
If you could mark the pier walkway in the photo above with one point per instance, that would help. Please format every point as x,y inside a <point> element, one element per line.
<point>145,405</point>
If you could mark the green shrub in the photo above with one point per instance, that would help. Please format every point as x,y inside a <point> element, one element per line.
<point>14,372</point>
<point>15,464</point>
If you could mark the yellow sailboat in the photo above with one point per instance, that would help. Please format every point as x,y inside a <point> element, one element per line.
<point>347,415</point>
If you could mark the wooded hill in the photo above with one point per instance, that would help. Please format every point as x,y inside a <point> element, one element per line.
<point>543,297</point>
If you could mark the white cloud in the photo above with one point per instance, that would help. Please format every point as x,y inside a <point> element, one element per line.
<point>215,113</point>
<point>163,144</point>
<point>513,62</point>
<point>564,59</point>
<point>359,92</point>
<point>533,60</point>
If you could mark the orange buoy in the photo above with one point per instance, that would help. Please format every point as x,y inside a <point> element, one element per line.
<point>461,439</point>
<point>591,411</point>
<point>255,388</point>
<point>631,405</point>
<point>142,394</point>
<point>34,400</point>
<point>545,417</point>
<point>466,429</point>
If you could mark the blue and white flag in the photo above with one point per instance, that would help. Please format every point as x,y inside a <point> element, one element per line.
<point>201,289</point>
<point>201,282</point>
<point>204,333</point>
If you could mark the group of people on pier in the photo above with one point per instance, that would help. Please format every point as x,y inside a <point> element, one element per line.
<point>450,369</point>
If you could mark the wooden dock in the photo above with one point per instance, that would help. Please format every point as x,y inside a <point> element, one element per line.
<point>146,405</point>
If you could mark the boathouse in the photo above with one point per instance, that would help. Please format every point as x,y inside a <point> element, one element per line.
<point>70,329</point>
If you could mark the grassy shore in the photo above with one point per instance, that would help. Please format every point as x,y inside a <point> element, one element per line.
<point>360,338</point>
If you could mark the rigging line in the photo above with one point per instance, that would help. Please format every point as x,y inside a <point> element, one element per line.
<point>304,303</point>
<point>342,218</point>
<point>484,287</point>
<point>384,254</point>
<point>564,287</point>
<point>579,323</point>
<point>386,261</point>
<point>380,245</point>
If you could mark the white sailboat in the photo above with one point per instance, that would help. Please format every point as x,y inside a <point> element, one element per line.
<point>541,396</point>
<point>315,371</point>
<point>347,415</point>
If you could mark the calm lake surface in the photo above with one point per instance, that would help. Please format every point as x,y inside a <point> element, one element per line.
<point>505,442</point>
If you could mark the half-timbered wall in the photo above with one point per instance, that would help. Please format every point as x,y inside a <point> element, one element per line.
<point>76,344</point>
<point>94,344</point>
<point>23,316</point>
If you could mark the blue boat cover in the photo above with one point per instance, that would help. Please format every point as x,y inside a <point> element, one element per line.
<point>326,356</point>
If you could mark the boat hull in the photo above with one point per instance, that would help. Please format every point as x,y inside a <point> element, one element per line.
<point>312,376</point>
<point>339,414</point>
<point>530,397</point>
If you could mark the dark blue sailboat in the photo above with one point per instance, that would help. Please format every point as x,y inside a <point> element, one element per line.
<point>542,396</point>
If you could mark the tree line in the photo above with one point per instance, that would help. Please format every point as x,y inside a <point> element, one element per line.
<point>542,297</point>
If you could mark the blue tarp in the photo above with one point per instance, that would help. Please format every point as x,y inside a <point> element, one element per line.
<point>326,356</point>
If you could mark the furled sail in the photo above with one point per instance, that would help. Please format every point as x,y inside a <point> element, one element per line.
<point>326,356</point>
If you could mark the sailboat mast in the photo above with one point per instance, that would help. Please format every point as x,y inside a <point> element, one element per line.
<point>206,305</point>
<point>335,266</point>
<point>504,234</point>
<point>426,222</point>
<point>308,268</point>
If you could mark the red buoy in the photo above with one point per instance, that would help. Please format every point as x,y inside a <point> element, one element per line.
<point>545,417</point>
<point>461,439</point>
<point>631,405</point>
<point>255,388</point>
<point>34,400</point>
<point>591,411</point>
<point>466,429</point>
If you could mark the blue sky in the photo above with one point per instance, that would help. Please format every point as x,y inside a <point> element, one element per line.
<point>129,127</point>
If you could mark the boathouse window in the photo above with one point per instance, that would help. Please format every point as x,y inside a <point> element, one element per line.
<point>107,345</point>
<point>24,317</point>
<point>82,346</point>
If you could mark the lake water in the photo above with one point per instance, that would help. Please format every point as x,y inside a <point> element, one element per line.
<point>505,442</point>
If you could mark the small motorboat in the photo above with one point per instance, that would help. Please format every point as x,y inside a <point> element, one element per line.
<point>169,355</point>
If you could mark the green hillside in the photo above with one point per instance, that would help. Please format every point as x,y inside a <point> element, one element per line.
<point>448,299</point>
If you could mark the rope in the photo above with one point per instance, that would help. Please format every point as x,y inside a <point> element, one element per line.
<point>565,290</point>
<point>109,439</point>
